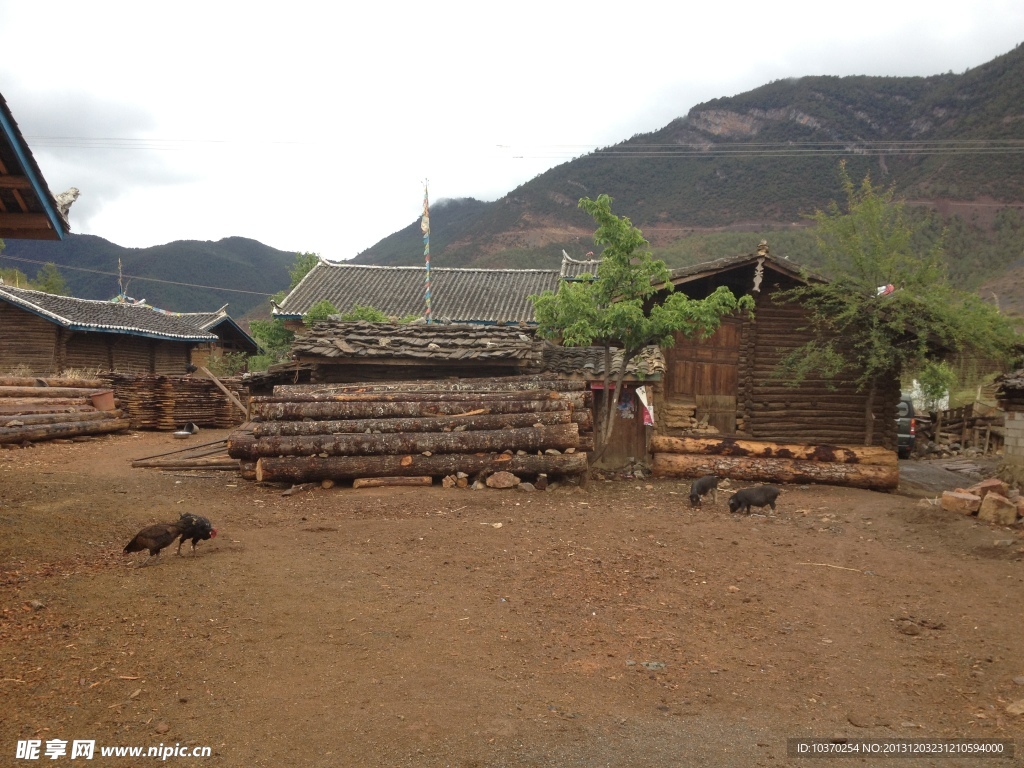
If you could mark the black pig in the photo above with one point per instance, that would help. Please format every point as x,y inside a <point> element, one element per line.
<point>702,487</point>
<point>758,496</point>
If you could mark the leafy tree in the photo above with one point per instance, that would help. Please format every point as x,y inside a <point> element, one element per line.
<point>609,310</point>
<point>373,315</point>
<point>319,311</point>
<point>14,277</point>
<point>872,335</point>
<point>50,280</point>
<point>304,262</point>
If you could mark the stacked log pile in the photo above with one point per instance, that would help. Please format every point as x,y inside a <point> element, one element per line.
<point>857,466</point>
<point>416,429</point>
<point>169,402</point>
<point>43,409</point>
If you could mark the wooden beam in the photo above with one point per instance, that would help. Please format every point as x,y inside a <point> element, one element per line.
<point>24,221</point>
<point>15,182</point>
<point>225,390</point>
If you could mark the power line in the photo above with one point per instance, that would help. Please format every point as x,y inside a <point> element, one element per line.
<point>136,277</point>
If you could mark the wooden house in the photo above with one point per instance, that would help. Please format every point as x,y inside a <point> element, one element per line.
<point>474,296</point>
<point>27,208</point>
<point>724,404</point>
<point>231,338</point>
<point>49,334</point>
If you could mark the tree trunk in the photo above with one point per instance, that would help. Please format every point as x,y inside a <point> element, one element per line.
<point>729,446</point>
<point>380,482</point>
<point>64,429</point>
<point>40,383</point>
<point>55,418</point>
<point>45,391</point>
<point>872,476</point>
<point>205,462</point>
<point>305,469</point>
<point>298,411</point>
<point>559,436</point>
<point>432,424</point>
<point>405,397</point>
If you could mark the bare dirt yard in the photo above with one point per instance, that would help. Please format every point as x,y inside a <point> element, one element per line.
<point>611,625</point>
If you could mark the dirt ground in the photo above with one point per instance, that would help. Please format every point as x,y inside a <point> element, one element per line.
<point>611,625</point>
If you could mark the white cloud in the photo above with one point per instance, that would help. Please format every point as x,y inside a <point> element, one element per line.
<point>312,126</point>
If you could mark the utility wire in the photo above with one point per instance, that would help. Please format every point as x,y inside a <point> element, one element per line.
<point>135,277</point>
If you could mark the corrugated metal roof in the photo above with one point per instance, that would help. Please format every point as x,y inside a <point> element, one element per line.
<point>457,295</point>
<point>104,316</point>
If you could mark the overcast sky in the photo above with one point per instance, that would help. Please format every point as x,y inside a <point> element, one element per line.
<point>311,126</point>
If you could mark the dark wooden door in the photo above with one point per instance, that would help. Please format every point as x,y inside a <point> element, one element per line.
<point>707,371</point>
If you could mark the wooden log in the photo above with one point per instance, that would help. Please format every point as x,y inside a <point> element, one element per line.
<point>502,384</point>
<point>871,476</point>
<point>28,381</point>
<point>298,411</point>
<point>45,391</point>
<point>560,436</point>
<point>54,418</point>
<point>405,397</point>
<point>247,469</point>
<point>729,446</point>
<point>379,482</point>
<point>304,469</point>
<point>8,404</point>
<point>33,432</point>
<point>428,424</point>
<point>29,410</point>
<point>180,462</point>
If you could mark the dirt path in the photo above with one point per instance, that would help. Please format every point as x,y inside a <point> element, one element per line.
<point>430,627</point>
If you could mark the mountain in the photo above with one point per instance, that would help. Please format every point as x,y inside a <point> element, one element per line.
<point>755,165</point>
<point>241,272</point>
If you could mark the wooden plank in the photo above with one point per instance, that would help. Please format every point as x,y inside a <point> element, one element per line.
<point>225,390</point>
<point>380,482</point>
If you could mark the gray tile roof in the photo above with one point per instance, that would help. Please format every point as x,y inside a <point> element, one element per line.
<point>104,316</point>
<point>430,343</point>
<point>458,295</point>
<point>707,268</point>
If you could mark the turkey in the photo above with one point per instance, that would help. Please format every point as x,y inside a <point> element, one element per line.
<point>197,528</point>
<point>156,537</point>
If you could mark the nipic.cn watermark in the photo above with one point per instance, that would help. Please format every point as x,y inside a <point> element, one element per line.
<point>86,749</point>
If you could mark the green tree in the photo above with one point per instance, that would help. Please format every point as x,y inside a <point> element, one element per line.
<point>874,335</point>
<point>14,277</point>
<point>50,280</point>
<point>609,310</point>
<point>272,335</point>
<point>318,312</point>
<point>304,262</point>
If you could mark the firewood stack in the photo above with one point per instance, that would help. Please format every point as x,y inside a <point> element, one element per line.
<point>43,409</point>
<point>169,402</point>
<point>523,425</point>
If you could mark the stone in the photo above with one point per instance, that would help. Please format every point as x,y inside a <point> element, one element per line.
<point>526,487</point>
<point>541,482</point>
<point>986,486</point>
<point>997,509</point>
<point>1017,708</point>
<point>327,483</point>
<point>502,480</point>
<point>960,501</point>
<point>449,481</point>
<point>162,727</point>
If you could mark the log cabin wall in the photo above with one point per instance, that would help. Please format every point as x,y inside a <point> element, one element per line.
<point>27,343</point>
<point>817,410</point>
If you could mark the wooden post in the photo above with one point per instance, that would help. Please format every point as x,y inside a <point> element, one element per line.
<point>226,391</point>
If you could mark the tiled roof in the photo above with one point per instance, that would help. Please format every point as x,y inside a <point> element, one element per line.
<point>103,316</point>
<point>588,362</point>
<point>707,268</point>
<point>573,268</point>
<point>457,295</point>
<point>433,343</point>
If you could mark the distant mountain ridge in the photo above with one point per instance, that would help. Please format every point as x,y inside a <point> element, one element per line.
<point>239,271</point>
<point>758,163</point>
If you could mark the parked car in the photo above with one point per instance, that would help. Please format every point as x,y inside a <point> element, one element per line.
<point>906,427</point>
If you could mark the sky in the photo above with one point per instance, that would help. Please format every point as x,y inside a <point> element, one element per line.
<point>314,126</point>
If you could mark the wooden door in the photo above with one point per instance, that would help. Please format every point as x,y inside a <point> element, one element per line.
<point>707,371</point>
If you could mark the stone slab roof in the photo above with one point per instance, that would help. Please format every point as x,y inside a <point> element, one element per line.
<point>104,316</point>
<point>456,295</point>
<point>429,343</point>
<point>588,362</point>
